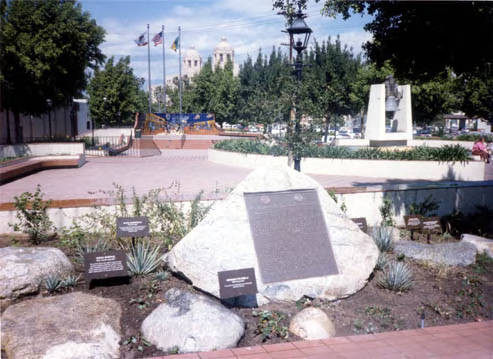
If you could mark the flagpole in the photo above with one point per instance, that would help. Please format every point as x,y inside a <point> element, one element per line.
<point>149,68</point>
<point>179,80</point>
<point>164,71</point>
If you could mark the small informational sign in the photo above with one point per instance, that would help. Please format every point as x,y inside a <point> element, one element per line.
<point>233,283</point>
<point>431,224</point>
<point>103,265</point>
<point>132,226</point>
<point>361,222</point>
<point>413,222</point>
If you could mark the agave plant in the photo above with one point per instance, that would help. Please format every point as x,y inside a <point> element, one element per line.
<point>52,283</point>
<point>383,238</point>
<point>396,276</point>
<point>143,258</point>
<point>70,281</point>
<point>84,246</point>
<point>382,261</point>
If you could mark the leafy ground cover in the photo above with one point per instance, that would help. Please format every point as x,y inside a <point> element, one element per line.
<point>447,153</point>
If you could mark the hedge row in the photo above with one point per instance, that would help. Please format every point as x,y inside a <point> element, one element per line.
<point>447,153</point>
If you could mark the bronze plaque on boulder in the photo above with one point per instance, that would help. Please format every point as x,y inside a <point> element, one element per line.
<point>132,227</point>
<point>102,265</point>
<point>413,222</point>
<point>290,235</point>
<point>431,224</point>
<point>361,222</point>
<point>233,283</point>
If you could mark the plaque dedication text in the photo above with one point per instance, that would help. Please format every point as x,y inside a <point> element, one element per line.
<point>290,235</point>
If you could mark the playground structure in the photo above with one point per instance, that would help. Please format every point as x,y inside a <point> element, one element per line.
<point>173,123</point>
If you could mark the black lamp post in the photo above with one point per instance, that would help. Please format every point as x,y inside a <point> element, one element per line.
<point>299,34</point>
<point>49,102</point>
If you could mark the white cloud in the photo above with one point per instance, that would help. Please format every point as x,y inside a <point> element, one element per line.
<point>248,26</point>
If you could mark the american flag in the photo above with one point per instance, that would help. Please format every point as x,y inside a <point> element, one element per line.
<point>158,38</point>
<point>141,40</point>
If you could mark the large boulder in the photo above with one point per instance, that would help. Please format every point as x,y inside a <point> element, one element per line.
<point>69,326</point>
<point>482,244</point>
<point>452,254</point>
<point>312,323</point>
<point>223,241</point>
<point>190,323</point>
<point>22,269</point>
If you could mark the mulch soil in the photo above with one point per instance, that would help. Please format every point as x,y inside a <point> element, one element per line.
<point>446,295</point>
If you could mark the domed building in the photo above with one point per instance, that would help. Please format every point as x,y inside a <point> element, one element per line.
<point>192,62</point>
<point>223,52</point>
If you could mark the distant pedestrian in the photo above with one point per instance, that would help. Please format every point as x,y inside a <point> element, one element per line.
<point>479,149</point>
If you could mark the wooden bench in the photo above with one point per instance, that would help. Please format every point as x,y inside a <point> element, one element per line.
<point>23,167</point>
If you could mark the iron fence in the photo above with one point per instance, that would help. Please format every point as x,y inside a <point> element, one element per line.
<point>110,146</point>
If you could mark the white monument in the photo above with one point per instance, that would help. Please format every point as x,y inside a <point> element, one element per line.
<point>389,119</point>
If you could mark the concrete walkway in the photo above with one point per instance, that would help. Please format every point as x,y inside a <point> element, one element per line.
<point>462,341</point>
<point>183,172</point>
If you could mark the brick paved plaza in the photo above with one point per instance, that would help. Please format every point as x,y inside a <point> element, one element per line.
<point>187,168</point>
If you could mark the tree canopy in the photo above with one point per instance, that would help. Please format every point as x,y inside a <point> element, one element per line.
<point>46,48</point>
<point>115,94</point>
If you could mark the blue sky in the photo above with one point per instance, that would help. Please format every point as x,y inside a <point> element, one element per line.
<point>247,24</point>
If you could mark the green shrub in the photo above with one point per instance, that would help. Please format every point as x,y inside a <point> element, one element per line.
<point>447,153</point>
<point>383,238</point>
<point>143,258</point>
<point>168,221</point>
<point>32,216</point>
<point>471,137</point>
<point>270,324</point>
<point>386,212</point>
<point>396,276</point>
<point>424,208</point>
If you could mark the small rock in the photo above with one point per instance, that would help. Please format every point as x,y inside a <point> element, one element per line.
<point>453,254</point>
<point>312,323</point>
<point>192,323</point>
<point>69,326</point>
<point>22,269</point>
<point>482,244</point>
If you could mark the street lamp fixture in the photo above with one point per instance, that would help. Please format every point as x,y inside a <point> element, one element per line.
<point>300,30</point>
<point>299,35</point>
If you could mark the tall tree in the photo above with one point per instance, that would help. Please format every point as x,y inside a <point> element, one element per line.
<point>115,94</point>
<point>425,40</point>
<point>327,83</point>
<point>47,47</point>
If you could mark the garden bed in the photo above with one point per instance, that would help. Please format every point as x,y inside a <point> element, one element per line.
<point>446,295</point>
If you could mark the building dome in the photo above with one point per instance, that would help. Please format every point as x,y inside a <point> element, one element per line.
<point>192,62</point>
<point>191,53</point>
<point>223,52</point>
<point>223,46</point>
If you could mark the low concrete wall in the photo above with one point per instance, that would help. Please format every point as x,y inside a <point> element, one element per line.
<point>360,202</point>
<point>42,149</point>
<point>459,197</point>
<point>423,170</point>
